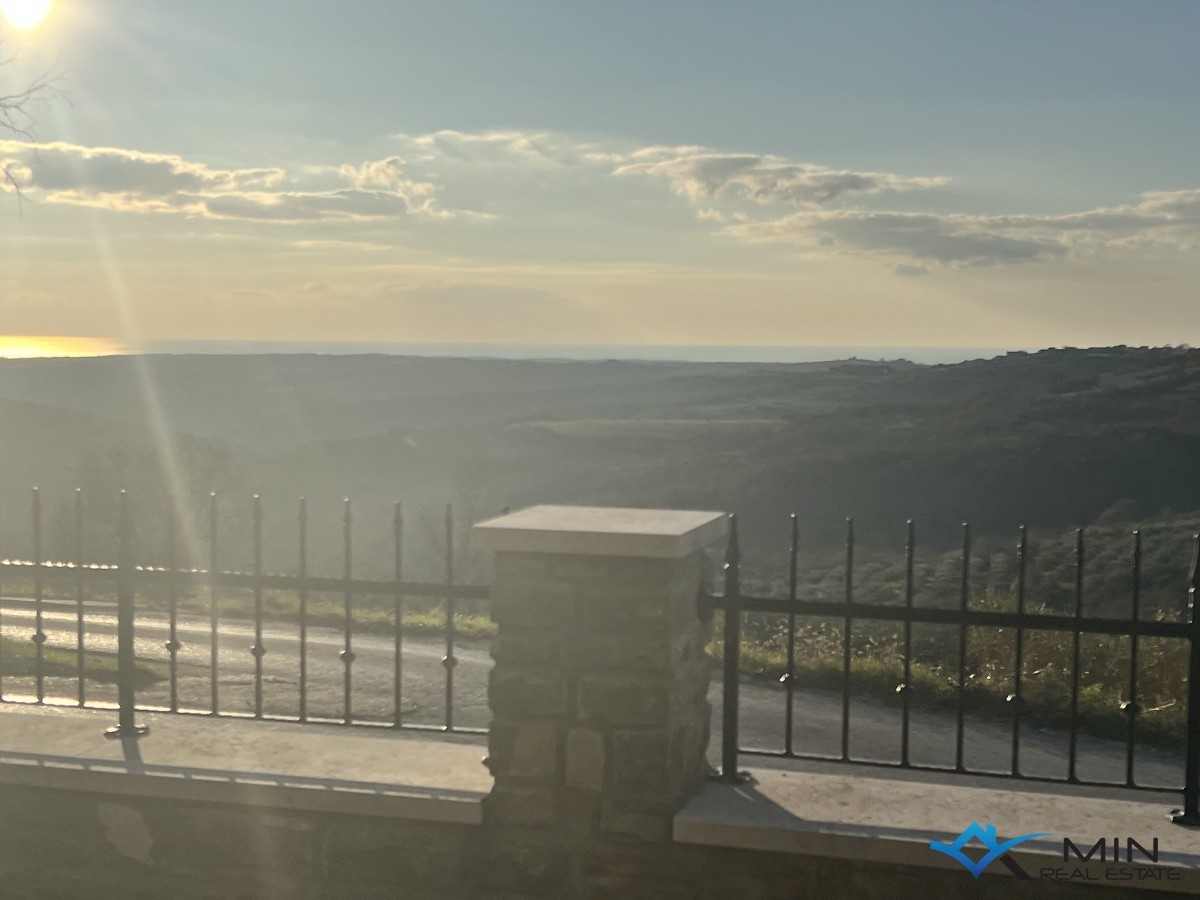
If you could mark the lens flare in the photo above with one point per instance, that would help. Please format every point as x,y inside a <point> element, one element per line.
<point>24,14</point>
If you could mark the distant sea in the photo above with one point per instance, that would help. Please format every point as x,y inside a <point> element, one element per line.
<point>47,346</point>
<point>662,352</point>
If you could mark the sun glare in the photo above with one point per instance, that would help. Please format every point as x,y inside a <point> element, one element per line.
<point>24,14</point>
<point>19,346</point>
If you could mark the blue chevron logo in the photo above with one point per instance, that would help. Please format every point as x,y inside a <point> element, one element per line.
<point>996,849</point>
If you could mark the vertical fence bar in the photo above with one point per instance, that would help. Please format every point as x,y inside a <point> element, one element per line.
<point>1073,737</point>
<point>398,614</point>
<point>259,649</point>
<point>1018,661</point>
<point>126,660</point>
<point>449,661</point>
<point>847,625</point>
<point>2,558</point>
<point>731,660</point>
<point>1131,707</point>
<point>173,646</point>
<point>789,677</point>
<point>1190,814</point>
<point>347,654</point>
<point>39,611</point>
<point>303,538</point>
<point>905,688</point>
<point>964,600</point>
<point>80,622</point>
<point>214,612</point>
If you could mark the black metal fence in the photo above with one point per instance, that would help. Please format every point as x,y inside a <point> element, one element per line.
<point>963,617</point>
<point>170,583</point>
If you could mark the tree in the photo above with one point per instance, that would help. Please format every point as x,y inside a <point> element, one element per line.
<point>17,105</point>
<point>160,498</point>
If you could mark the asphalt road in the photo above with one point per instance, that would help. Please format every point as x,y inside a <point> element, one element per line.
<point>875,726</point>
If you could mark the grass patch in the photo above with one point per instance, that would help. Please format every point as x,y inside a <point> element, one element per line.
<point>19,659</point>
<point>367,614</point>
<point>877,668</point>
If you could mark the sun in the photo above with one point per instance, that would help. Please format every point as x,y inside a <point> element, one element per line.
<point>24,14</point>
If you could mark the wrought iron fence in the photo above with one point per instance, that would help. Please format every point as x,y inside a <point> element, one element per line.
<point>37,573</point>
<point>734,603</point>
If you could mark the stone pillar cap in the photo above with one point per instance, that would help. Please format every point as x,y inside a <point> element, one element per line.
<point>602,531</point>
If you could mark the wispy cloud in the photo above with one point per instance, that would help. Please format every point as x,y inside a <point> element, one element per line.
<point>701,175</point>
<point>131,181</point>
<point>1167,219</point>
<point>539,178</point>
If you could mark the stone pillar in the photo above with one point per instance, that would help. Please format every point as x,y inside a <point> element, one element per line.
<point>600,716</point>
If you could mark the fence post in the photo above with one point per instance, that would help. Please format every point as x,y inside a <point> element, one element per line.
<point>599,695</point>
<point>127,726</point>
<point>1190,814</point>
<point>731,658</point>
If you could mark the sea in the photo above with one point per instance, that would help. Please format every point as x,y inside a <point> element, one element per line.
<point>49,346</point>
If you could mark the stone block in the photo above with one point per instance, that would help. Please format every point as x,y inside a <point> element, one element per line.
<point>581,812</point>
<point>585,759</point>
<point>528,647</point>
<point>525,608</point>
<point>641,765</point>
<point>623,700</point>
<point>523,751</point>
<point>532,693</point>
<point>507,805</point>
<point>521,566</point>
<point>637,649</point>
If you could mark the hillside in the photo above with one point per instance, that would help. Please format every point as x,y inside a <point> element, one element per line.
<point>1049,440</point>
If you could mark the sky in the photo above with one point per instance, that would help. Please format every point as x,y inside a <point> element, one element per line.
<point>962,173</point>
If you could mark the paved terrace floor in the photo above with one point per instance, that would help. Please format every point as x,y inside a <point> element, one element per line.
<point>864,814</point>
<point>312,767</point>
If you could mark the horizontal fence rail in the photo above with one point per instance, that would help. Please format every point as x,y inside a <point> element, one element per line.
<point>734,604</point>
<point>171,584</point>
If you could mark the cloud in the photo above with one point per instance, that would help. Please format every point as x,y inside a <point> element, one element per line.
<point>134,182</point>
<point>1169,219</point>
<point>923,237</point>
<point>335,246</point>
<point>700,174</point>
<point>291,206</point>
<point>60,166</point>
<point>540,148</point>
<point>536,179</point>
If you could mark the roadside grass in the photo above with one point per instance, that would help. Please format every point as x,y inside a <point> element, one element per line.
<point>18,659</point>
<point>876,667</point>
<point>422,616</point>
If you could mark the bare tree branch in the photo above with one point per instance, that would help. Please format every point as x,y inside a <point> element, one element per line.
<point>16,112</point>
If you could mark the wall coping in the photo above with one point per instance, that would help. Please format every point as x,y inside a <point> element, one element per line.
<point>602,531</point>
<point>273,764</point>
<point>888,819</point>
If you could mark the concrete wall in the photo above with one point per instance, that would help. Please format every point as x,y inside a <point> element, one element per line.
<point>69,844</point>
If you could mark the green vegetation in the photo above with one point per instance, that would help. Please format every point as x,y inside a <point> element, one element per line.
<point>19,659</point>
<point>368,614</point>
<point>877,669</point>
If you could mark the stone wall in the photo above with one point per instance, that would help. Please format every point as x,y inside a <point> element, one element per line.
<point>599,693</point>
<point>70,845</point>
<point>66,844</point>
